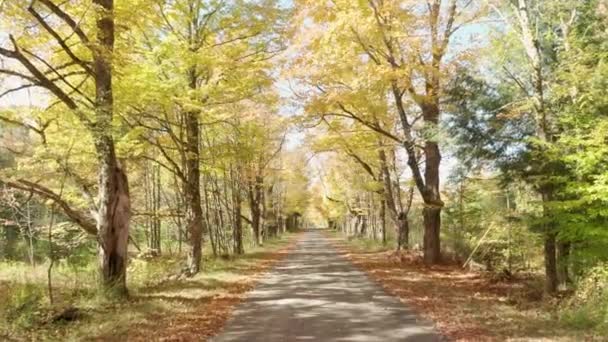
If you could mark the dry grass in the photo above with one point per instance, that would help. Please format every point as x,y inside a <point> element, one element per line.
<point>467,306</point>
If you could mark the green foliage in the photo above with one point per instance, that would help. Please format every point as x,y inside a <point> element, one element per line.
<point>588,307</point>
<point>491,221</point>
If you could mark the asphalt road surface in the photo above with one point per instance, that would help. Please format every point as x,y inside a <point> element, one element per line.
<point>316,294</point>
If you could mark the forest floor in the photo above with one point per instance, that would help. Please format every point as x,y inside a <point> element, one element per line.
<point>161,306</point>
<point>465,306</point>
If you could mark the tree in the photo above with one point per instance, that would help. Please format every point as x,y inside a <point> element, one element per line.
<point>372,39</point>
<point>65,75</point>
<point>517,117</point>
<point>206,56</point>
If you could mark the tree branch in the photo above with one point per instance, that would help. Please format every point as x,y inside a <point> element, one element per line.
<point>59,40</point>
<point>84,221</point>
<point>68,20</point>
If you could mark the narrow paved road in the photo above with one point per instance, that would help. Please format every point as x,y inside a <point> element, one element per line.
<point>316,294</point>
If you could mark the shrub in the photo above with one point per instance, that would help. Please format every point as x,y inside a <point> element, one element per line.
<point>588,307</point>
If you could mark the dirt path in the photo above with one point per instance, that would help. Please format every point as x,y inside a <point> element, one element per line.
<point>316,294</point>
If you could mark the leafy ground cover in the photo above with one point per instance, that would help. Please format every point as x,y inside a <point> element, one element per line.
<point>466,305</point>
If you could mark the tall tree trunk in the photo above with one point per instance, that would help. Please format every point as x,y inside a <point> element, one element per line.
<point>383,220</point>
<point>207,217</point>
<point>272,219</point>
<point>255,223</point>
<point>112,218</point>
<point>532,47</point>
<point>157,220</point>
<point>194,212</point>
<point>114,210</point>
<point>429,104</point>
<point>389,194</point>
<point>432,197</point>
<point>236,204</point>
<point>431,244</point>
<point>238,225</point>
<point>255,190</point>
<point>550,263</point>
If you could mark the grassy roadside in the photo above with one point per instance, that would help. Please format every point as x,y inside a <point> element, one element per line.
<point>161,306</point>
<point>466,306</point>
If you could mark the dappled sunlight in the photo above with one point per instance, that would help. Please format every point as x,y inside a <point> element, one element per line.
<point>317,294</point>
<point>200,305</point>
<point>465,305</point>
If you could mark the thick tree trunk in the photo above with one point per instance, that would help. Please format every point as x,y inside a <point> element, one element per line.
<point>432,198</point>
<point>114,210</point>
<point>428,185</point>
<point>192,194</point>
<point>112,219</point>
<point>431,245</point>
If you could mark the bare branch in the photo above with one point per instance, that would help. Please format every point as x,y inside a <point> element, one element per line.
<point>84,221</point>
<point>68,20</point>
<point>39,77</point>
<point>59,40</point>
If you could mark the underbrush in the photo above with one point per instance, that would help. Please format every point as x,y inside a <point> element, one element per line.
<point>588,306</point>
<point>156,286</point>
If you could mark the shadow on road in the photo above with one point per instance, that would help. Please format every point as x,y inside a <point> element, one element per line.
<point>318,295</point>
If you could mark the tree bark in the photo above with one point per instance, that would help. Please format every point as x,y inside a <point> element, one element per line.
<point>114,210</point>
<point>194,212</point>
<point>238,227</point>
<point>238,221</point>
<point>383,220</point>
<point>112,218</point>
<point>403,232</point>
<point>255,190</point>
<point>433,203</point>
<point>550,264</point>
<point>271,218</point>
<point>432,222</point>
<point>389,197</point>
